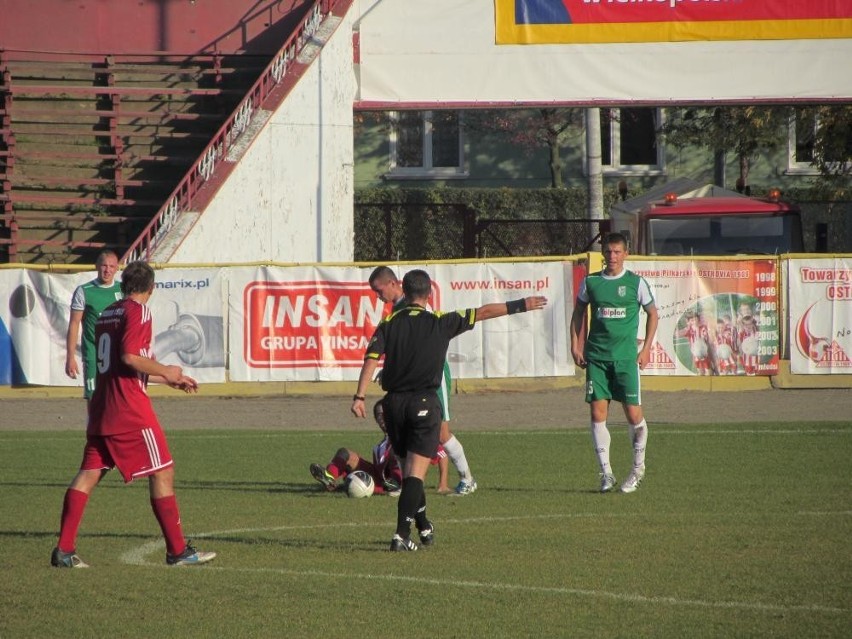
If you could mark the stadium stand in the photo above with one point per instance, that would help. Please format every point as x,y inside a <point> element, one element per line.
<point>90,145</point>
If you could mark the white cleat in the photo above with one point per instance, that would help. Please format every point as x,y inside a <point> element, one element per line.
<point>607,482</point>
<point>633,479</point>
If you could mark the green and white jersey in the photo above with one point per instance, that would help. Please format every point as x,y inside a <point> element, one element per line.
<point>615,302</point>
<point>92,298</point>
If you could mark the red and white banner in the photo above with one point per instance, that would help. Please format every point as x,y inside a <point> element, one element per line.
<point>311,323</point>
<point>820,303</point>
<point>716,317</point>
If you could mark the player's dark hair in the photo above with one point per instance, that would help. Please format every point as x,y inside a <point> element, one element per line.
<point>416,284</point>
<point>615,238</point>
<point>137,277</point>
<point>382,273</point>
<point>378,407</point>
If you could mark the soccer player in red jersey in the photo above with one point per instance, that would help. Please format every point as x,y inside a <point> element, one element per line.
<point>384,469</point>
<point>123,431</point>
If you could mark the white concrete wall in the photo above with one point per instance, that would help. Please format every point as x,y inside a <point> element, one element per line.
<point>290,196</point>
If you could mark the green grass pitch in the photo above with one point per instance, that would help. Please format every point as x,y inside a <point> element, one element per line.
<point>739,530</point>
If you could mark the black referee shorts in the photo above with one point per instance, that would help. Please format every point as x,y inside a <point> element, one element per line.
<point>413,421</point>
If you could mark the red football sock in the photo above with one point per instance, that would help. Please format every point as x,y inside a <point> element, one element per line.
<point>336,467</point>
<point>73,507</point>
<point>167,514</point>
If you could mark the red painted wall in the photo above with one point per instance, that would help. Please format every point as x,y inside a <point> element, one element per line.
<point>144,26</point>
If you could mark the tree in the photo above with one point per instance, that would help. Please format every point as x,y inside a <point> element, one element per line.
<point>824,137</point>
<point>532,130</point>
<point>743,130</point>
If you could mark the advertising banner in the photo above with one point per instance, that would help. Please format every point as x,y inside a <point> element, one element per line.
<point>820,303</point>
<point>189,312</point>
<point>591,21</point>
<point>187,306</point>
<point>314,323</point>
<point>716,317</point>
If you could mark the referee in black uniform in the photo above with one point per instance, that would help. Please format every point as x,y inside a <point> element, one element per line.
<point>414,343</point>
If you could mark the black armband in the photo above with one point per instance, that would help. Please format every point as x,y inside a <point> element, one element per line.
<point>516,306</point>
<point>358,398</point>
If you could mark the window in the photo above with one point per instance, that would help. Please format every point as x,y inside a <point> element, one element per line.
<point>804,134</point>
<point>629,141</point>
<point>426,145</point>
<point>800,142</point>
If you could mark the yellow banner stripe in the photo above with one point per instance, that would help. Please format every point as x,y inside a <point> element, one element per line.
<point>510,33</point>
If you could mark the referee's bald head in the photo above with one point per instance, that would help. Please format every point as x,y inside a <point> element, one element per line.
<point>416,285</point>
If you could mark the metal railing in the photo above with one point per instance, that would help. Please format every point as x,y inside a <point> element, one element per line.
<point>183,196</point>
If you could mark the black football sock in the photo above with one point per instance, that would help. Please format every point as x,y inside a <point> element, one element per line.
<point>420,516</point>
<point>409,501</point>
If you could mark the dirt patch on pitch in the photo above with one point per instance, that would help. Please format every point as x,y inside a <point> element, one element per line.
<point>475,411</point>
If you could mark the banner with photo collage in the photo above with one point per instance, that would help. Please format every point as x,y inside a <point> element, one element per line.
<point>716,317</point>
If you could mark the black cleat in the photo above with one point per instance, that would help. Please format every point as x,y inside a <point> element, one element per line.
<point>398,544</point>
<point>324,477</point>
<point>427,535</point>
<point>59,559</point>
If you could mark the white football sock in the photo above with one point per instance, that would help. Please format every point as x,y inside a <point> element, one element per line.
<point>601,440</point>
<point>455,451</point>
<point>638,437</point>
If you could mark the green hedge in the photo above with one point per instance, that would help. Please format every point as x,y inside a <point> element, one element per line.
<point>429,223</point>
<point>569,203</point>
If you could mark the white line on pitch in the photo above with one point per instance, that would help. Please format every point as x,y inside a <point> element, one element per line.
<point>137,557</point>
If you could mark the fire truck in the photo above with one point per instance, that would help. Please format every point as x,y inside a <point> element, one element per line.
<point>676,219</point>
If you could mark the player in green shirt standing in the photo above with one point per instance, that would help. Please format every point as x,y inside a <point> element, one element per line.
<point>87,304</point>
<point>610,355</point>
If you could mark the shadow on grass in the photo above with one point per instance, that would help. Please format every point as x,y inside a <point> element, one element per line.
<point>252,487</point>
<point>53,534</point>
<point>538,490</point>
<point>304,544</point>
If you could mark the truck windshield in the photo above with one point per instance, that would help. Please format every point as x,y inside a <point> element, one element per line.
<point>724,235</point>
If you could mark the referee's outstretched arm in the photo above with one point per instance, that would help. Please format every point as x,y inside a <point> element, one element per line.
<point>499,309</point>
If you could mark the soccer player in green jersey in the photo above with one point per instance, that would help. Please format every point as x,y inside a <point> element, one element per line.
<point>608,351</point>
<point>87,304</point>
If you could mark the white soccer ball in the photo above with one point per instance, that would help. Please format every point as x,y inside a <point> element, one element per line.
<point>359,484</point>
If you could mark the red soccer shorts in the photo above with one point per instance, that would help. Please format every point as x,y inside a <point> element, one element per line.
<point>137,453</point>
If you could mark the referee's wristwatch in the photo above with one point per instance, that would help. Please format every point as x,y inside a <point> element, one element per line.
<point>356,398</point>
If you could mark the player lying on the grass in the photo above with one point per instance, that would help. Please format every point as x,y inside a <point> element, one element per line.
<point>385,469</point>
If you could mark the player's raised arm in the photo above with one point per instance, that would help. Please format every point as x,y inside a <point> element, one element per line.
<point>499,309</point>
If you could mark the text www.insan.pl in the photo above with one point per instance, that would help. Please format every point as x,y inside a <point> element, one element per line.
<point>497,284</point>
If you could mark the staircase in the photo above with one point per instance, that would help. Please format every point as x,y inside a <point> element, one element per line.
<point>91,146</point>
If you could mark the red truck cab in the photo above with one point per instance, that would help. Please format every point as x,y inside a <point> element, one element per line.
<point>716,226</point>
